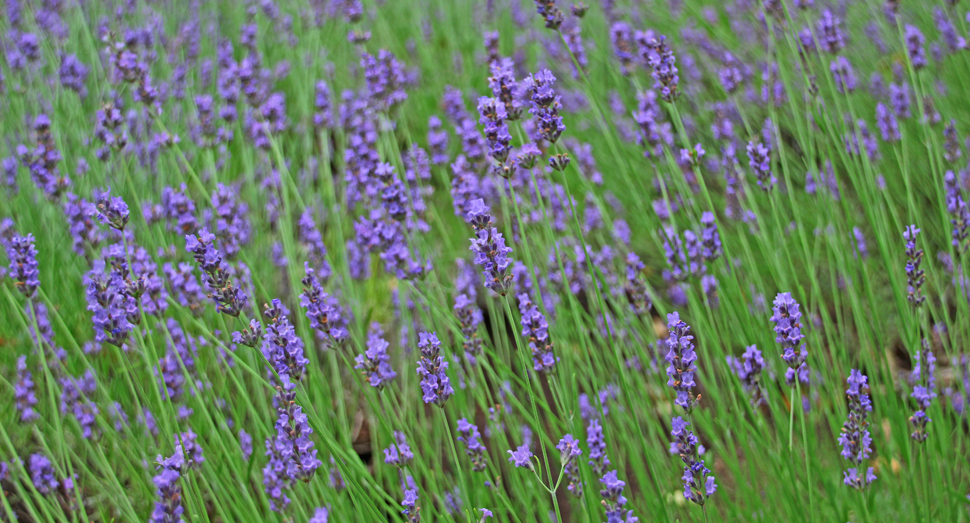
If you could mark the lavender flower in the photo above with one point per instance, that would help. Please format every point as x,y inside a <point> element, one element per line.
<point>569,452</point>
<point>44,478</point>
<point>535,331</point>
<point>326,315</point>
<point>490,250</point>
<point>398,453</point>
<point>434,382</point>
<point>830,34</point>
<point>282,347</point>
<point>545,105</point>
<point>760,162</point>
<point>924,374</point>
<point>497,137</point>
<point>959,211</point>
<point>322,515</point>
<point>855,439</point>
<point>844,74</point>
<point>110,302</point>
<point>23,264</point>
<point>622,38</point>
<point>110,210</point>
<point>470,317</point>
<point>550,13</point>
<point>698,481</point>
<point>168,508</point>
<point>635,288</point>
<point>473,444</point>
<point>375,363</point>
<point>598,459</point>
<point>75,397</point>
<point>887,123</point>
<point>914,275</point>
<point>229,299</point>
<point>521,457</point>
<point>748,369</point>
<point>23,394</point>
<point>786,317</point>
<point>291,454</point>
<point>681,357</point>
<point>914,45</point>
<point>661,59</point>
<point>410,504</point>
<point>613,499</point>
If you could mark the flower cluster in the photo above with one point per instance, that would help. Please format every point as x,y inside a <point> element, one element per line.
<point>375,362</point>
<point>569,453</point>
<point>497,137</point>
<point>545,105</point>
<point>229,299</point>
<point>110,210</point>
<point>434,382</point>
<point>23,264</point>
<point>398,453</point>
<point>23,394</point>
<point>598,459</point>
<point>748,369</point>
<point>760,161</point>
<point>535,331</point>
<point>326,315</point>
<point>614,500</point>
<point>283,347</point>
<point>473,444</point>
<point>855,440</point>
<point>550,13</point>
<point>489,248</point>
<point>681,357</point>
<point>698,481</point>
<point>924,374</point>
<point>168,508</point>
<point>914,274</point>
<point>290,451</point>
<point>470,317</point>
<point>665,74</point>
<point>788,328</point>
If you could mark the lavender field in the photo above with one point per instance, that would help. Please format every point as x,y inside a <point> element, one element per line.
<point>484,261</point>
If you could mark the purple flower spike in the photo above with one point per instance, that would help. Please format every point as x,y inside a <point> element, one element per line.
<point>914,275</point>
<point>550,13</point>
<point>788,328</point>
<point>23,264</point>
<point>924,374</point>
<point>375,362</point>
<point>229,299</point>
<point>489,248</point>
<point>597,447</point>
<point>855,439</point>
<point>434,381</point>
<point>283,347</point>
<point>24,397</point>
<point>614,500</point>
<point>326,315</point>
<point>545,105</point>
<point>748,369</point>
<point>914,46</point>
<point>661,59</point>
<point>535,330</point>
<point>681,357</point>
<point>698,481</point>
<point>473,442</point>
<point>168,508</point>
<point>760,162</point>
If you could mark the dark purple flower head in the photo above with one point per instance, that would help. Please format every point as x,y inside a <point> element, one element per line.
<point>887,124</point>
<point>914,46</point>
<point>660,58</point>
<point>681,357</point>
<point>844,74</point>
<point>434,381</point>
<point>473,444</point>
<point>597,447</point>
<point>76,396</point>
<point>550,13</point>
<point>375,363</point>
<point>23,264</point>
<point>613,499</point>
<point>914,274</point>
<point>281,345</point>
<point>924,374</point>
<point>505,88</point>
<point>830,34</point>
<point>568,448</point>
<point>622,38</point>
<point>109,300</point>
<point>855,439</point>
<point>398,453</point>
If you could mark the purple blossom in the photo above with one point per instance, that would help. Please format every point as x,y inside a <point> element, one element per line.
<point>398,453</point>
<point>661,59</point>
<point>108,299</point>
<point>550,13</point>
<point>787,319</point>
<point>23,394</point>
<point>497,137</point>
<point>959,211</point>
<point>470,317</point>
<point>844,74</point>
<point>521,457</point>
<point>924,372</point>
<point>569,452</point>
<point>23,264</point>
<point>290,451</point>
<point>830,34</point>
<point>44,478</point>
<point>76,396</point>
<point>698,481</point>
<point>613,499</point>
<point>282,346</point>
<point>760,162</point>
<point>535,332</point>
<point>474,448</point>
<point>326,315</point>
<point>545,105</point>
<point>375,362</point>
<point>168,508</point>
<point>855,440</point>
<point>681,357</point>
<point>748,369</point>
<point>914,275</point>
<point>887,123</point>
<point>437,141</point>
<point>914,46</point>
<point>635,288</point>
<point>434,382</point>
<point>489,248</point>
<point>598,459</point>
<point>229,299</point>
